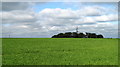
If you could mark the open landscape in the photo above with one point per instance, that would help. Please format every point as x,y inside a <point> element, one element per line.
<point>59,33</point>
<point>59,51</point>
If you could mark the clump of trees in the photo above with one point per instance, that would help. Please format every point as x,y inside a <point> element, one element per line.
<point>77,35</point>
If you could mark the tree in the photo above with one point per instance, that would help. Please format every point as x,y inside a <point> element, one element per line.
<point>68,34</point>
<point>100,36</point>
<point>81,35</point>
<point>74,35</point>
<point>60,35</point>
<point>77,35</point>
<point>88,35</point>
<point>55,36</point>
<point>93,35</point>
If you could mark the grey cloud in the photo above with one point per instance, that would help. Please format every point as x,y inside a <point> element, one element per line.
<point>24,23</point>
<point>12,17</point>
<point>9,6</point>
<point>38,30</point>
<point>68,16</point>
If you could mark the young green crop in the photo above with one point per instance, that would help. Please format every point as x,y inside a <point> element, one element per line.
<point>59,51</point>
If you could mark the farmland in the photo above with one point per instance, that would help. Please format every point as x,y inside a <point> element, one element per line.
<point>59,51</point>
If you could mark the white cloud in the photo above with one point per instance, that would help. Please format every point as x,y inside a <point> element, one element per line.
<point>61,0</point>
<point>111,17</point>
<point>68,16</point>
<point>52,21</point>
<point>59,13</point>
<point>18,17</point>
<point>92,11</point>
<point>88,20</point>
<point>87,0</point>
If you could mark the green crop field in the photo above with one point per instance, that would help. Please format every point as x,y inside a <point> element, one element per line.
<point>59,51</point>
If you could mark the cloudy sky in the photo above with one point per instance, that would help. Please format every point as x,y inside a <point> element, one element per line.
<point>44,19</point>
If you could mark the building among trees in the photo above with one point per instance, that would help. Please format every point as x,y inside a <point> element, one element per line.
<point>77,35</point>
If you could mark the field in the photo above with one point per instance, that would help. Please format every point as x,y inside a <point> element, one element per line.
<point>59,51</point>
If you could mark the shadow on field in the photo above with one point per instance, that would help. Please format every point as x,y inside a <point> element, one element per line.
<point>60,66</point>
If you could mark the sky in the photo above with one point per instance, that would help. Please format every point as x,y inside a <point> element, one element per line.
<point>45,19</point>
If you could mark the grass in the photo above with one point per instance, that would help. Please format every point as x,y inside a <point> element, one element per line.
<point>59,51</point>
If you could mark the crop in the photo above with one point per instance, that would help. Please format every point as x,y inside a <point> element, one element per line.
<point>59,51</point>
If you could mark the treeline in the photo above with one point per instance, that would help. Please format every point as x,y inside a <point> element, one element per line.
<point>77,35</point>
